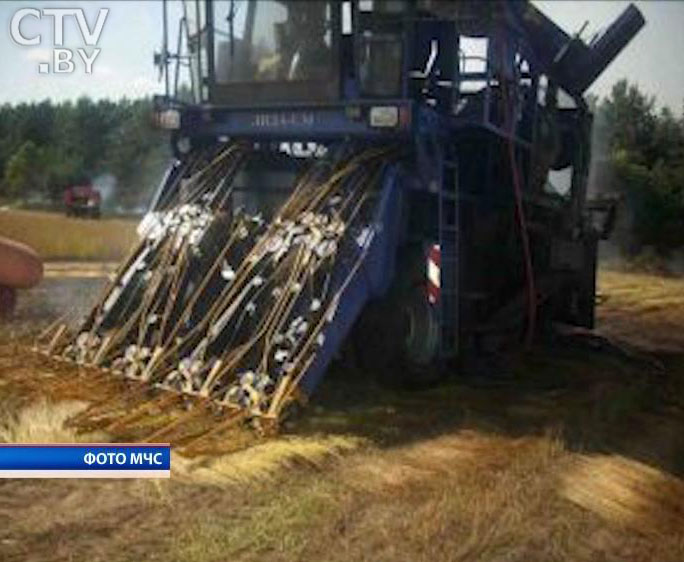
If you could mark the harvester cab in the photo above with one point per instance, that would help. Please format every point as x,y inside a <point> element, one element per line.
<point>415,169</point>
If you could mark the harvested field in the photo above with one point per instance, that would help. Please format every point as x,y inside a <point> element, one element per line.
<point>646,310</point>
<point>58,237</point>
<point>576,454</point>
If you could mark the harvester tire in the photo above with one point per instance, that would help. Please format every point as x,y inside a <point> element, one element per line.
<point>397,339</point>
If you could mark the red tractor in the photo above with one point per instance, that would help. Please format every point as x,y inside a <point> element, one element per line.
<point>82,200</point>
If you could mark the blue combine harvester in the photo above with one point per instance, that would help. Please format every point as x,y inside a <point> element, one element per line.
<point>469,120</point>
<point>483,227</point>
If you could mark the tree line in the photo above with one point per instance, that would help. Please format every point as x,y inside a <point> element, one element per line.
<point>641,151</point>
<point>46,147</point>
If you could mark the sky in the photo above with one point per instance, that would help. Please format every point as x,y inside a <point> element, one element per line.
<point>132,32</point>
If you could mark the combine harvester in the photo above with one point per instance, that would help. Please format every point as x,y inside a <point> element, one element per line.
<point>386,166</point>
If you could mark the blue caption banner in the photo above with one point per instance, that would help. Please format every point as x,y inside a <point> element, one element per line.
<point>85,460</point>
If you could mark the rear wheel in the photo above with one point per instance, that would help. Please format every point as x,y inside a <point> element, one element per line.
<point>397,339</point>
<point>420,330</point>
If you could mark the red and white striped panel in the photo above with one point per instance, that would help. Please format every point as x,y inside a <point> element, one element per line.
<point>434,259</point>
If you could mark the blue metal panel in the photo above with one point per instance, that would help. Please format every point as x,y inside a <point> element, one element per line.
<point>293,122</point>
<point>371,279</point>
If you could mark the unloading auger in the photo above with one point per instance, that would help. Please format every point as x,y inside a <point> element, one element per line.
<point>219,303</point>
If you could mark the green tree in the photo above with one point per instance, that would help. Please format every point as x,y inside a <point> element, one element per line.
<point>630,119</point>
<point>22,176</point>
<point>70,141</point>
<point>646,149</point>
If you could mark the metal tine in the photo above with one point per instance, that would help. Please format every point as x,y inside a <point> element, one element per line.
<point>193,413</point>
<point>174,260</point>
<point>143,409</point>
<point>232,419</point>
<point>50,329</point>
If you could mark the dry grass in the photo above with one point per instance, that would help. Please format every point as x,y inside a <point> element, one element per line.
<point>630,493</point>
<point>458,497</point>
<point>266,462</point>
<point>646,310</point>
<point>456,473</point>
<point>57,237</point>
<point>484,495</point>
<point>467,496</point>
<point>43,422</point>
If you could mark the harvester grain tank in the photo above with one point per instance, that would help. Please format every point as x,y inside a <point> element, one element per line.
<point>369,170</point>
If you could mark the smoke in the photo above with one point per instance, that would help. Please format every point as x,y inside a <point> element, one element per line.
<point>624,248</point>
<point>132,189</point>
<point>601,169</point>
<point>106,185</point>
<point>601,185</point>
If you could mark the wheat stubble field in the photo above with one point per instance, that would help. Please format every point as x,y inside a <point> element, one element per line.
<point>58,237</point>
<point>576,454</point>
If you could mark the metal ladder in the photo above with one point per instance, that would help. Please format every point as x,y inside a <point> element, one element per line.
<point>448,239</point>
